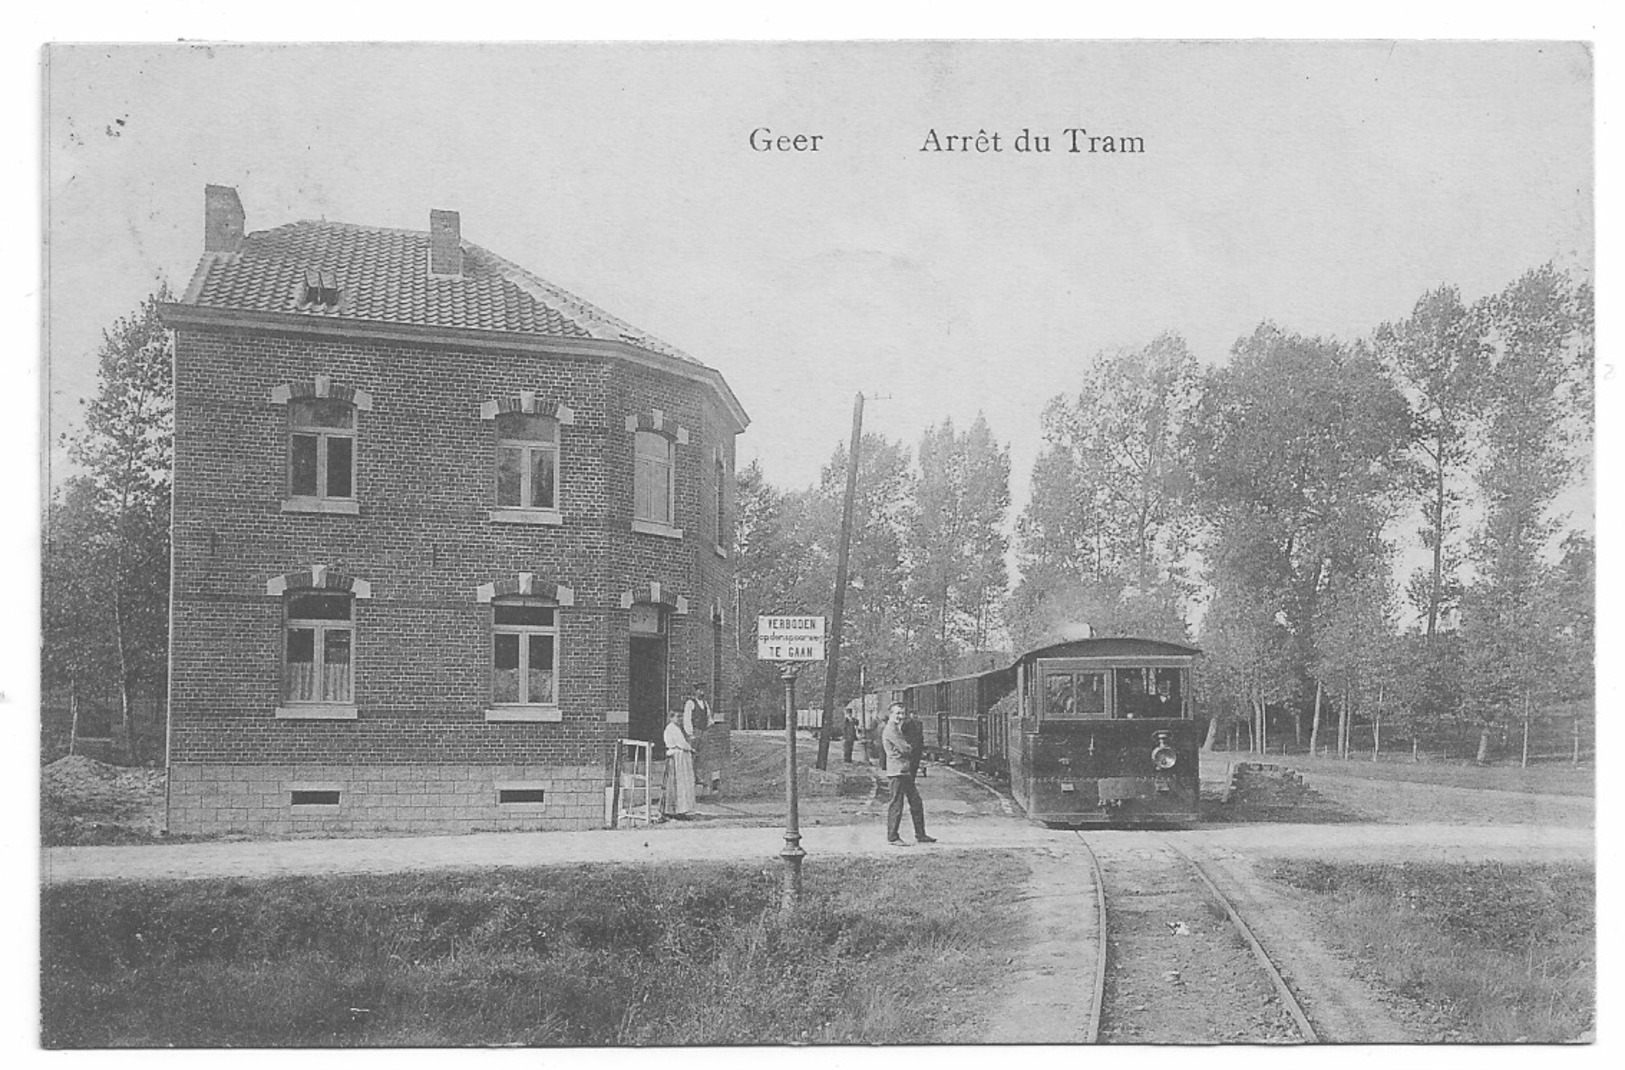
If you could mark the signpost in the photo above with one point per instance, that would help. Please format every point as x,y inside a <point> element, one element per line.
<point>790,639</point>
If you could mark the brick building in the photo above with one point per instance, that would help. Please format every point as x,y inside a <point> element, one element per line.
<point>442,532</point>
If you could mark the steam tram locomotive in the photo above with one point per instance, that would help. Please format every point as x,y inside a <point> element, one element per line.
<point>1090,731</point>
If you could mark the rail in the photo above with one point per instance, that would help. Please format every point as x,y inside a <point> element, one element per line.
<point>1288,998</point>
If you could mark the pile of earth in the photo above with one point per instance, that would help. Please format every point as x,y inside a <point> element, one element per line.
<point>84,801</point>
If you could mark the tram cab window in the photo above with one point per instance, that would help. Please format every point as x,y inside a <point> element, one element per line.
<point>1147,692</point>
<point>1074,695</point>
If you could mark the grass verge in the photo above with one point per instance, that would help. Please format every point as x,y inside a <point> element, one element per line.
<point>692,954</point>
<point>1546,779</point>
<point>1499,953</point>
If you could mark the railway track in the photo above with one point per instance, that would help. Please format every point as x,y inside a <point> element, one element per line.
<point>1179,962</point>
<point>1180,965</point>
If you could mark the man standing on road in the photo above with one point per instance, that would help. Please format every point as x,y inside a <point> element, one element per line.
<point>901,762</point>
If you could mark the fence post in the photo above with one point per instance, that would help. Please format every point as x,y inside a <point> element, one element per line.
<point>73,714</point>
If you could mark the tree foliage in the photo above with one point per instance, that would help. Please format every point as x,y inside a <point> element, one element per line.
<point>1297,451</point>
<point>1535,413</point>
<point>1105,533</point>
<point>1438,356</point>
<point>1272,498</point>
<point>106,552</point>
<point>955,541</point>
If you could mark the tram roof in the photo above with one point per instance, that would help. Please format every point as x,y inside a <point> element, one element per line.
<point>1114,646</point>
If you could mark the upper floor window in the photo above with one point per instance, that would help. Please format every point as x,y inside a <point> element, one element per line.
<point>527,461</point>
<point>722,505</point>
<point>654,478</point>
<point>321,449</point>
<point>318,662</point>
<point>524,652</point>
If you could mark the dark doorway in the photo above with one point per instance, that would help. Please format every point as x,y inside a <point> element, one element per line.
<point>647,677</point>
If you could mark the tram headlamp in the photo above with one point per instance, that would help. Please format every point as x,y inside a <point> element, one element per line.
<point>1163,757</point>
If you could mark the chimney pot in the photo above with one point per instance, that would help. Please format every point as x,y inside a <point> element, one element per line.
<point>445,242</point>
<point>222,220</point>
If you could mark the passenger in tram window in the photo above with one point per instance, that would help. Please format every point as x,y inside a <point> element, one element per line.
<point>1129,694</point>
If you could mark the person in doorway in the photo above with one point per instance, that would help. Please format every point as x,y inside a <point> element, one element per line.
<point>900,766</point>
<point>697,723</point>
<point>849,736</point>
<point>677,786</point>
<point>696,713</point>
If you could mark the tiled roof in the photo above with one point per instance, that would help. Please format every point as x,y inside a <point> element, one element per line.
<point>382,276</point>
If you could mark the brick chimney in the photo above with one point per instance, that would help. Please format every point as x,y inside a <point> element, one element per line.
<point>445,243</point>
<point>222,220</point>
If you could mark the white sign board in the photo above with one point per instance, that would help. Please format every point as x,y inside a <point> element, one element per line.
<point>790,638</point>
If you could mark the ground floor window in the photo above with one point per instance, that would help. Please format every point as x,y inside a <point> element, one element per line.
<point>524,653</point>
<point>318,665</point>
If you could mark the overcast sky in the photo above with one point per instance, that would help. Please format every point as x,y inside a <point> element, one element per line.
<point>1321,185</point>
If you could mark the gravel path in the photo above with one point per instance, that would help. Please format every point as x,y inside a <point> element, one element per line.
<point>1046,999</point>
<point>669,843</point>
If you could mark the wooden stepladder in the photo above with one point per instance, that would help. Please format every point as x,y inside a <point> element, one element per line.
<point>635,793</point>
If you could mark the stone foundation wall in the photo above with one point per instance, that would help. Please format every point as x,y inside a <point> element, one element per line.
<point>1266,784</point>
<point>261,799</point>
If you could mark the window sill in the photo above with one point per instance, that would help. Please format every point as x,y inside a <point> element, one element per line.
<point>316,712</point>
<point>341,506</point>
<point>655,527</point>
<point>720,552</point>
<point>523,713</point>
<point>547,518</point>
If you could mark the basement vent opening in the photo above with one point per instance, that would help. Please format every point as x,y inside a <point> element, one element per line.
<point>315,798</point>
<point>519,795</point>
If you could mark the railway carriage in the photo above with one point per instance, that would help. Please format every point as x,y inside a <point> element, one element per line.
<point>1090,731</point>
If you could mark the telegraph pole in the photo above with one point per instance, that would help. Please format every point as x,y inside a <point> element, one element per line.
<point>832,673</point>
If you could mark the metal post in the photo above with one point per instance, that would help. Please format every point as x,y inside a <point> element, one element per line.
<point>73,711</point>
<point>792,853</point>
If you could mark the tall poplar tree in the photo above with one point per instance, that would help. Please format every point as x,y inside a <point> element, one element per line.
<point>1536,414</point>
<point>956,544</point>
<point>1437,354</point>
<point>767,575</point>
<point>1107,521</point>
<point>876,629</point>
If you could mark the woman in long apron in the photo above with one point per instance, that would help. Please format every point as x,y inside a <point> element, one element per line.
<point>677,786</point>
